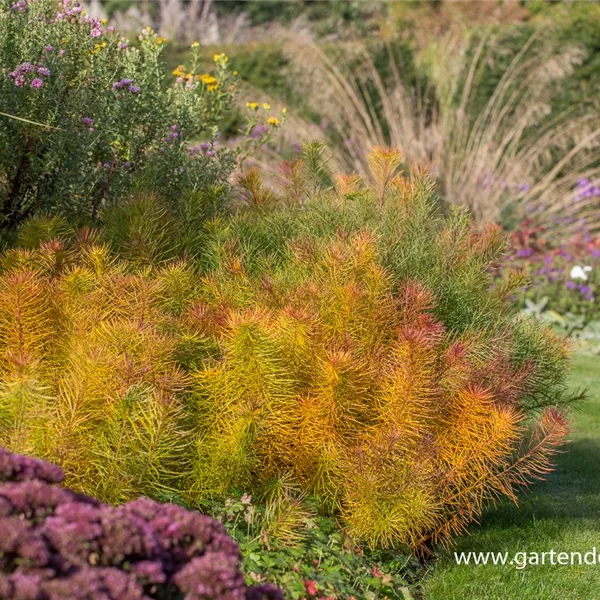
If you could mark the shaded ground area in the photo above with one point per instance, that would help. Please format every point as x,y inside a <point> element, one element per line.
<point>562,513</point>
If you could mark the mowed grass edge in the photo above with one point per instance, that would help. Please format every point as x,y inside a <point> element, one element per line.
<point>561,514</point>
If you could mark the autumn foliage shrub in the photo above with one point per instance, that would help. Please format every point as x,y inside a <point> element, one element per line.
<point>57,544</point>
<point>345,341</point>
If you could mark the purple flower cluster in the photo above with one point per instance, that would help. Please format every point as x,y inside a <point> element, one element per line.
<point>125,83</point>
<point>204,148</point>
<point>20,6</point>
<point>175,135</point>
<point>57,544</point>
<point>587,189</point>
<point>20,75</point>
<point>66,8</point>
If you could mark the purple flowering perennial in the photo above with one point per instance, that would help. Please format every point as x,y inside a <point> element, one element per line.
<point>57,544</point>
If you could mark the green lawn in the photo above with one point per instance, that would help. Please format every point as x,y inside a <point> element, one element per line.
<point>562,513</point>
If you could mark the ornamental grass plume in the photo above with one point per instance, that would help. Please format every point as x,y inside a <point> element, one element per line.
<point>507,157</point>
<point>56,544</point>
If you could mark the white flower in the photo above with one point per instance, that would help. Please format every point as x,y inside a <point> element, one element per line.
<point>578,272</point>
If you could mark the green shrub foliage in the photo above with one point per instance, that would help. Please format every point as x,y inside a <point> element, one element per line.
<point>87,116</point>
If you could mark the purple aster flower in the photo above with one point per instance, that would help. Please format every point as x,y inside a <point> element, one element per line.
<point>61,53</point>
<point>49,48</point>
<point>524,252</point>
<point>20,6</point>
<point>95,32</point>
<point>570,285</point>
<point>122,45</point>
<point>87,121</point>
<point>37,83</point>
<point>117,85</point>
<point>134,89</point>
<point>43,71</point>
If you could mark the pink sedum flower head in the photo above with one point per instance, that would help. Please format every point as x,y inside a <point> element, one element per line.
<point>58,544</point>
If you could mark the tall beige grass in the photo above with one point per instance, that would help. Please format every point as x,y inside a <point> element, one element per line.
<point>514,156</point>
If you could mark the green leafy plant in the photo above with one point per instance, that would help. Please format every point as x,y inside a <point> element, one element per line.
<point>88,116</point>
<point>290,542</point>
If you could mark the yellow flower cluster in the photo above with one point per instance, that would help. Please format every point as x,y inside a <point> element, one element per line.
<point>273,121</point>
<point>221,59</point>
<point>179,71</point>
<point>209,81</point>
<point>98,47</point>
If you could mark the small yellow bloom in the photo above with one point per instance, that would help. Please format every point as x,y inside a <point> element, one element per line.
<point>209,81</point>
<point>161,40</point>
<point>179,71</point>
<point>252,105</point>
<point>99,47</point>
<point>63,41</point>
<point>273,121</point>
<point>221,59</point>
<point>284,111</point>
<point>266,106</point>
<point>104,21</point>
<point>235,73</point>
<point>195,45</point>
<point>148,29</point>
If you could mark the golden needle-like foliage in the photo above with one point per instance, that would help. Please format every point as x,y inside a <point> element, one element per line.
<point>348,342</point>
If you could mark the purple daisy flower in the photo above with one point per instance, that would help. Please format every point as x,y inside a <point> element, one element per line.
<point>37,83</point>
